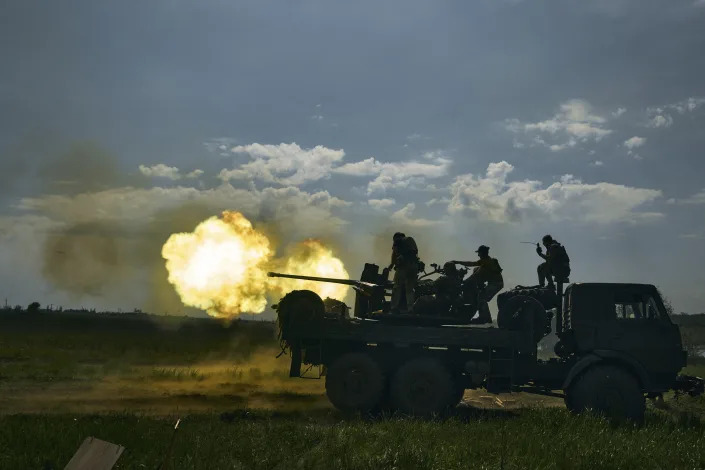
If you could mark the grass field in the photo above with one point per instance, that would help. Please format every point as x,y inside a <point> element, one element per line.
<point>127,379</point>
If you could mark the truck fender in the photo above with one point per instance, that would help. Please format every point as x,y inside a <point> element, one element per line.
<point>598,356</point>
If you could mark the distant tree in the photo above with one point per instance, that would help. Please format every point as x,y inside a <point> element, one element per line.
<point>18,308</point>
<point>33,307</point>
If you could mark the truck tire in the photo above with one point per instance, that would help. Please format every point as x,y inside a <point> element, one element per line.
<point>355,382</point>
<point>423,387</point>
<point>609,390</point>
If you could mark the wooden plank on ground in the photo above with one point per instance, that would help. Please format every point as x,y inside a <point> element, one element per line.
<point>95,454</point>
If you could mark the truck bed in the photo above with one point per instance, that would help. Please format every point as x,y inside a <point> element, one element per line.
<point>377,332</point>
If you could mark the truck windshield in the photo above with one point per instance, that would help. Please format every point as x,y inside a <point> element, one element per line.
<point>645,308</point>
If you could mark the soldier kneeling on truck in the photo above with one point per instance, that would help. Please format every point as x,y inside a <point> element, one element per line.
<point>557,262</point>
<point>405,261</point>
<point>487,276</point>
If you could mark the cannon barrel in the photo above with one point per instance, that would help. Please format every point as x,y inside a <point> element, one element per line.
<point>347,282</point>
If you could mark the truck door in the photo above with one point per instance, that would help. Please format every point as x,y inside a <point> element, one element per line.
<point>644,332</point>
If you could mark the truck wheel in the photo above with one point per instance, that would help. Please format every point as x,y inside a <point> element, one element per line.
<point>355,382</point>
<point>422,387</point>
<point>609,390</point>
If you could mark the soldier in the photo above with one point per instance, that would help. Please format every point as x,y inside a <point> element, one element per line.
<point>557,262</point>
<point>487,270</point>
<point>405,261</point>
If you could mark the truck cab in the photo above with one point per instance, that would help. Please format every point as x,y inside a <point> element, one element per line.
<point>626,324</point>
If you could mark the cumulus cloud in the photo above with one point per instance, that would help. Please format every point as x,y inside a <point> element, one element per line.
<point>381,203</point>
<point>688,104</point>
<point>597,163</point>
<point>168,172</point>
<point>389,175</point>
<point>575,122</point>
<point>194,174</point>
<point>286,164</point>
<point>697,198</point>
<point>619,111</point>
<point>160,171</point>
<point>493,197</point>
<point>220,145</point>
<point>662,116</point>
<point>405,216</point>
<point>660,120</point>
<point>634,142</point>
<point>438,201</point>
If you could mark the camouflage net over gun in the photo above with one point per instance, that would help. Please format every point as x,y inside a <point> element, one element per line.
<point>297,309</point>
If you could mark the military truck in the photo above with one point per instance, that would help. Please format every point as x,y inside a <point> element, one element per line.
<point>616,347</point>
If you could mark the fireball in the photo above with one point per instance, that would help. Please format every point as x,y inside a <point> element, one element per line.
<point>221,267</point>
<point>312,258</point>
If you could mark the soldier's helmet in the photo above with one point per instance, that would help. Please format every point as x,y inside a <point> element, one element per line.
<point>483,249</point>
<point>398,236</point>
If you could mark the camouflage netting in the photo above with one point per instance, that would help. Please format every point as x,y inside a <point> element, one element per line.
<point>299,307</point>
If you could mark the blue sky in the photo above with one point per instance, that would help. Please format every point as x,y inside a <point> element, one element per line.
<point>463,123</point>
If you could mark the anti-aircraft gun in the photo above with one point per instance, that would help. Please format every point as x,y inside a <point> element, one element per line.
<point>370,291</point>
<point>448,299</point>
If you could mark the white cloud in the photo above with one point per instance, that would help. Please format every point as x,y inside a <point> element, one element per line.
<point>597,163</point>
<point>619,111</point>
<point>194,174</point>
<point>688,104</point>
<point>367,167</point>
<point>697,198</point>
<point>405,216</point>
<point>168,172</point>
<point>661,120</point>
<point>220,145</point>
<point>161,171</point>
<point>286,164</point>
<point>437,201</point>
<point>381,203</point>
<point>634,142</point>
<point>389,175</point>
<point>660,116</point>
<point>559,147</point>
<point>575,122</point>
<point>493,197</point>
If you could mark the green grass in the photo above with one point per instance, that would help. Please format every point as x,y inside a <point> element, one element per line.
<point>127,380</point>
<point>532,438</point>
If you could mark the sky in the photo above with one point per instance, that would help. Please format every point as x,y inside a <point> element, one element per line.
<point>459,123</point>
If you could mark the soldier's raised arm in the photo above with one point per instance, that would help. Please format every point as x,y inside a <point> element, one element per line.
<point>540,252</point>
